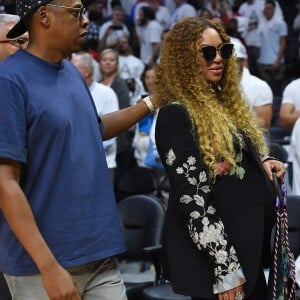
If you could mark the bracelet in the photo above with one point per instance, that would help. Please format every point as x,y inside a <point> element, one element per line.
<point>148,102</point>
<point>266,158</point>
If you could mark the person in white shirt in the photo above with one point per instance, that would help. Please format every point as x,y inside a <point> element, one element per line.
<point>273,33</point>
<point>256,92</point>
<point>221,10</point>
<point>96,66</point>
<point>290,105</point>
<point>130,66</point>
<point>253,11</point>
<point>150,38</point>
<point>162,13</point>
<point>294,157</point>
<point>112,30</point>
<point>130,69</point>
<point>105,101</point>
<point>182,10</point>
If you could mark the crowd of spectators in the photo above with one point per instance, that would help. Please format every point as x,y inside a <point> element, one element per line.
<point>134,31</point>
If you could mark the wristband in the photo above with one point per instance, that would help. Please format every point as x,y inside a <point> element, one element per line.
<point>266,158</point>
<point>148,102</point>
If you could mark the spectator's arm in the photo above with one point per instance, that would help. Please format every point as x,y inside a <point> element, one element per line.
<point>103,39</point>
<point>296,23</point>
<point>264,115</point>
<point>288,115</point>
<point>282,46</point>
<point>155,51</point>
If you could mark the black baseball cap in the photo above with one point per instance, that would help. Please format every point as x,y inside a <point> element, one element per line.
<point>24,8</point>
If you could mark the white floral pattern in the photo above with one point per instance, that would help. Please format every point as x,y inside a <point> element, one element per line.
<point>170,158</point>
<point>206,229</point>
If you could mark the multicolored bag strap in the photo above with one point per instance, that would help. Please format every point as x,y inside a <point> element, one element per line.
<point>281,229</point>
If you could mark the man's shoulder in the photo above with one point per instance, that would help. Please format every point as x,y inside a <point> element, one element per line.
<point>133,59</point>
<point>154,29</point>
<point>104,97</point>
<point>107,23</point>
<point>103,89</point>
<point>259,82</point>
<point>163,9</point>
<point>154,24</point>
<point>14,68</point>
<point>282,25</point>
<point>188,8</point>
<point>294,85</point>
<point>9,63</point>
<point>243,8</point>
<point>254,86</point>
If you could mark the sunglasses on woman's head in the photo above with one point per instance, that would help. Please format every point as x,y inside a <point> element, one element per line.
<point>210,52</point>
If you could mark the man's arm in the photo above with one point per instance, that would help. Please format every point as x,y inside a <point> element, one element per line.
<point>288,115</point>
<point>155,51</point>
<point>264,115</point>
<point>16,209</point>
<point>116,122</point>
<point>282,46</point>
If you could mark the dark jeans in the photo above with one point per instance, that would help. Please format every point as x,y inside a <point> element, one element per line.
<point>253,54</point>
<point>273,77</point>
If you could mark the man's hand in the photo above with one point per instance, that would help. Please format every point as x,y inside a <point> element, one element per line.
<point>59,284</point>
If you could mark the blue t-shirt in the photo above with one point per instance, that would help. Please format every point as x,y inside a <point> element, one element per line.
<point>48,123</point>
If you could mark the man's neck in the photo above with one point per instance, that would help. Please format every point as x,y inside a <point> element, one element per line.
<point>45,54</point>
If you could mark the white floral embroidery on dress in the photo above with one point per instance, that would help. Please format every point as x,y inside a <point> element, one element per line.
<point>212,237</point>
<point>170,157</point>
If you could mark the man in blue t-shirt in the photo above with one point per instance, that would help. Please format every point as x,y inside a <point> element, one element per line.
<point>59,225</point>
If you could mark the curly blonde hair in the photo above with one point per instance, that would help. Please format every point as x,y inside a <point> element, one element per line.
<point>218,115</point>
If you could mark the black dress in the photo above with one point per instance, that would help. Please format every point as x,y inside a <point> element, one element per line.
<point>215,233</point>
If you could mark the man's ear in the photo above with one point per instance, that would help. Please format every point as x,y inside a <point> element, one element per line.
<point>43,16</point>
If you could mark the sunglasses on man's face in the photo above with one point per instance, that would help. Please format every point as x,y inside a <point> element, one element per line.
<point>210,52</point>
<point>79,12</point>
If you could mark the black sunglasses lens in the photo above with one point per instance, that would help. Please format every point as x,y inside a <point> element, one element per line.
<point>82,12</point>
<point>209,52</point>
<point>226,50</point>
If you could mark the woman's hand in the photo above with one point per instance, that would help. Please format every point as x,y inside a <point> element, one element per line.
<point>234,294</point>
<point>222,168</point>
<point>272,165</point>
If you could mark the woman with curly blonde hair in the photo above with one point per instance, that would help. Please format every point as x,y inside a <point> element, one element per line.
<point>220,211</point>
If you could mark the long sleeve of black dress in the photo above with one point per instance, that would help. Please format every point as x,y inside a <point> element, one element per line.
<point>191,196</point>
